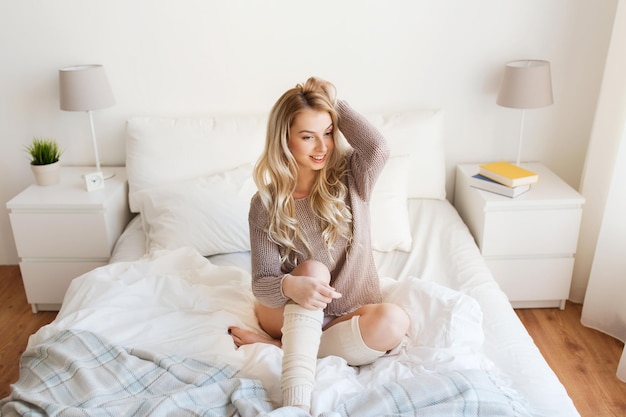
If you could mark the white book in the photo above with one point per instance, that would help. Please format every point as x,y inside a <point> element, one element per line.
<point>483,183</point>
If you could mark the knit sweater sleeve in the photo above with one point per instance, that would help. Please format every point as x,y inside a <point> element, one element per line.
<point>267,276</point>
<point>370,148</point>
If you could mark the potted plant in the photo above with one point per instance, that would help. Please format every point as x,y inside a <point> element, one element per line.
<point>45,154</point>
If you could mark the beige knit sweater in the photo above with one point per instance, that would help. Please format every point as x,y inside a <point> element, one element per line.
<point>353,272</point>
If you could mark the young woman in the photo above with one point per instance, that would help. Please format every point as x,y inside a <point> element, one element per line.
<point>312,261</point>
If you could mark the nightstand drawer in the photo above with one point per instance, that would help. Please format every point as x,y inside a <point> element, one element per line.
<point>48,281</point>
<point>530,232</point>
<point>61,235</point>
<point>533,279</point>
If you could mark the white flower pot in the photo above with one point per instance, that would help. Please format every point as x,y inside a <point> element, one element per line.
<point>47,174</point>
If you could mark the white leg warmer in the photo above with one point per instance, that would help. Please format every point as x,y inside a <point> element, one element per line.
<point>301,330</point>
<point>344,339</point>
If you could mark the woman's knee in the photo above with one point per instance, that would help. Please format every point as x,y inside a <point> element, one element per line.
<point>383,326</point>
<point>312,268</point>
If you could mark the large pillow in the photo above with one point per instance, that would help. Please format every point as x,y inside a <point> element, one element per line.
<point>389,207</point>
<point>209,213</point>
<point>418,134</point>
<point>160,150</point>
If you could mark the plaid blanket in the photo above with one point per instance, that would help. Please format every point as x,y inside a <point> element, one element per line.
<point>78,373</point>
<point>450,394</point>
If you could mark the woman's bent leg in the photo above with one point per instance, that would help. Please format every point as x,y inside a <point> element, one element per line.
<point>344,339</point>
<point>301,330</point>
<point>298,330</point>
<point>366,334</point>
<point>271,319</point>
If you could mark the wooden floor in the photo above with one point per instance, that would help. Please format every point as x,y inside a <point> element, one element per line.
<point>585,360</point>
<point>17,322</point>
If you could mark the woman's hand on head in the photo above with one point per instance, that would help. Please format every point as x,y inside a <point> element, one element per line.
<point>309,292</point>
<point>316,83</point>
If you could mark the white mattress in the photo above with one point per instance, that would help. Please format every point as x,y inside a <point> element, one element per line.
<point>443,256</point>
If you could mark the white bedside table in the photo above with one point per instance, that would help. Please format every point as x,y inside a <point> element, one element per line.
<point>529,241</point>
<point>62,231</point>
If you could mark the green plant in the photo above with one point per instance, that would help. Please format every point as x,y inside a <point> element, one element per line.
<point>44,151</point>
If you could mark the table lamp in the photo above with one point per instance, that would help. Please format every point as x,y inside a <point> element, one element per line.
<point>86,88</point>
<point>526,84</point>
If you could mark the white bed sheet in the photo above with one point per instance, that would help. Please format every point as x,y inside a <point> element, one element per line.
<point>443,253</point>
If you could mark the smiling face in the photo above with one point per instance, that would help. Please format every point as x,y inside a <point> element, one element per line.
<point>311,140</point>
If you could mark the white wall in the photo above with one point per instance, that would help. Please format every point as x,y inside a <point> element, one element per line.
<point>209,56</point>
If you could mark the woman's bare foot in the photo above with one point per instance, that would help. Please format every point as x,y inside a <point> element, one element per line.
<point>245,337</point>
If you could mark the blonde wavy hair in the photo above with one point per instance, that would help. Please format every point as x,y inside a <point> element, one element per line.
<point>276,171</point>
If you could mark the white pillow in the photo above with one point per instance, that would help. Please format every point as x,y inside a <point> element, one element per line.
<point>389,207</point>
<point>419,134</point>
<point>208,213</point>
<point>161,150</point>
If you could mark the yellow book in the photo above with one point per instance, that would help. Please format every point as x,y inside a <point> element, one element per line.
<point>508,174</point>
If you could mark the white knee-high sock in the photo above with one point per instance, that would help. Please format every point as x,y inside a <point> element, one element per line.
<point>301,330</point>
<point>345,340</point>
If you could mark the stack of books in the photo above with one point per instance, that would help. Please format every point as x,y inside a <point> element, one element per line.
<point>504,178</point>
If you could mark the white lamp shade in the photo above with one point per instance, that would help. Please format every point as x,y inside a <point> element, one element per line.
<point>526,84</point>
<point>84,88</point>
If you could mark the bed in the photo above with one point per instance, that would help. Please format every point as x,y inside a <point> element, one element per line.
<point>147,333</point>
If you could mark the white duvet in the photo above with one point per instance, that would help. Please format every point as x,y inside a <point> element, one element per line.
<point>178,302</point>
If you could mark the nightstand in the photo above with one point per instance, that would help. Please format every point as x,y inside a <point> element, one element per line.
<point>528,242</point>
<point>62,231</point>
